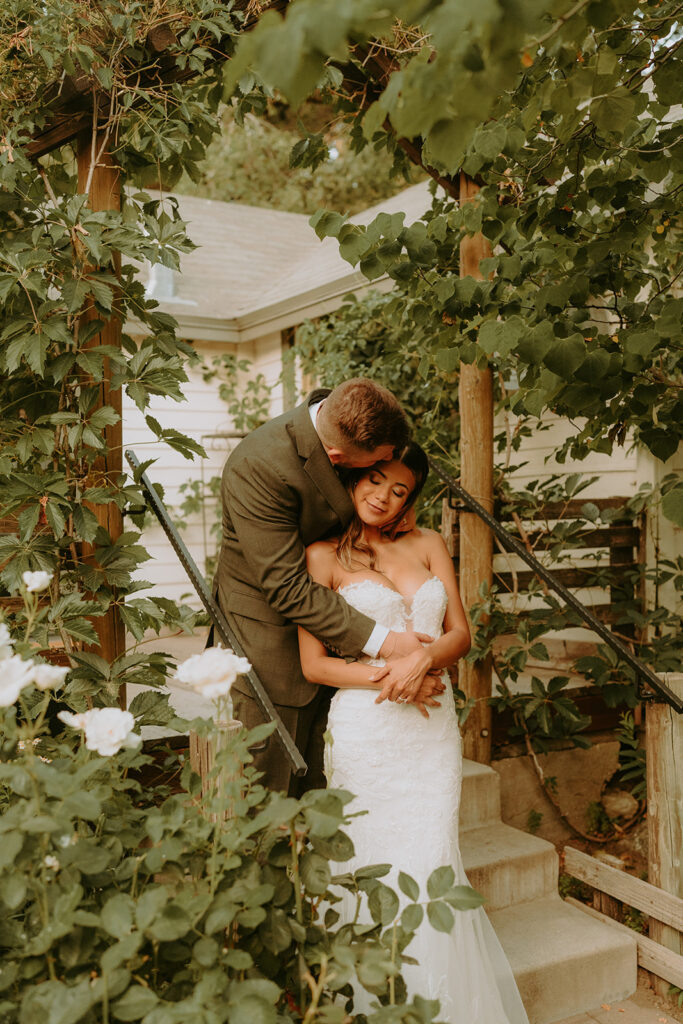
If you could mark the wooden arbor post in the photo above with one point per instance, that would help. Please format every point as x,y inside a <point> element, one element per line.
<point>475,399</point>
<point>664,749</point>
<point>99,176</point>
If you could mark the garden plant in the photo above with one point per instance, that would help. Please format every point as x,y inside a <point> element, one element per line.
<point>206,900</point>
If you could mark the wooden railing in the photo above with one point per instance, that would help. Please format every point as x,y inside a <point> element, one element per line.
<point>663,909</point>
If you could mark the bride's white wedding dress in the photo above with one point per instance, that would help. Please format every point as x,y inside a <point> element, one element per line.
<point>406,772</point>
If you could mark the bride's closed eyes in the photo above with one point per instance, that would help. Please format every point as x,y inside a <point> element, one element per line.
<point>381,493</point>
<point>399,491</point>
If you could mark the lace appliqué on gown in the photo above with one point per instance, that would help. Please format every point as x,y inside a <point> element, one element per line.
<point>406,772</point>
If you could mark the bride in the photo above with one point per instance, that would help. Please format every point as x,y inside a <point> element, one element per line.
<point>398,749</point>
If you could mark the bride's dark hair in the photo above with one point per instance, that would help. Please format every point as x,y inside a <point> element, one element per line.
<point>351,540</point>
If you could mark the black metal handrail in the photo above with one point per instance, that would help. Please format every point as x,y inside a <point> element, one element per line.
<point>643,672</point>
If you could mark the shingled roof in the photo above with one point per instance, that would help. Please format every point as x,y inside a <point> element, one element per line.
<point>257,270</point>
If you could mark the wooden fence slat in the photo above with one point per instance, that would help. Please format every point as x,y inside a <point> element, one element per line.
<point>572,578</point>
<point>654,902</point>
<point>203,758</point>
<point>654,958</point>
<point>566,509</point>
<point>625,537</point>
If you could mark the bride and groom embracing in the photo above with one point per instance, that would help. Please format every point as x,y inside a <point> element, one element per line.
<point>350,615</point>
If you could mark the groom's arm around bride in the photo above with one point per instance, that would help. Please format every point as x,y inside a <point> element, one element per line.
<point>280,493</point>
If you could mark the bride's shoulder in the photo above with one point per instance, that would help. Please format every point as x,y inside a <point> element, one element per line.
<point>321,557</point>
<point>426,540</point>
<point>322,549</point>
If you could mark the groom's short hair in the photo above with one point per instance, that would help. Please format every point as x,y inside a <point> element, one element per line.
<point>362,414</point>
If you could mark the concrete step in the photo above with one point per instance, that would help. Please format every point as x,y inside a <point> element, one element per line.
<point>507,865</point>
<point>563,961</point>
<point>480,800</point>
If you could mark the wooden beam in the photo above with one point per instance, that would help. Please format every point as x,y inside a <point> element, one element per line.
<point>101,177</point>
<point>656,959</point>
<point>475,397</point>
<point>664,757</point>
<point>655,902</point>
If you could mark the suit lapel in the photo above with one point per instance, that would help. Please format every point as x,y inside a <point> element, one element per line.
<point>317,466</point>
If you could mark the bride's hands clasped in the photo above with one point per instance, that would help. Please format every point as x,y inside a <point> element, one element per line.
<point>422,694</point>
<point>405,677</point>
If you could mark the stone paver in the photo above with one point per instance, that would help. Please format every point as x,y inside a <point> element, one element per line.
<point>642,1008</point>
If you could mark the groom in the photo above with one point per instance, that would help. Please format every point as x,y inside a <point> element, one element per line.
<point>280,492</point>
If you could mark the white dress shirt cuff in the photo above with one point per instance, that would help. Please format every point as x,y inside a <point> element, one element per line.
<point>375,641</point>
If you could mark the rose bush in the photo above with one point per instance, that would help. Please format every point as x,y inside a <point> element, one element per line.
<point>122,900</point>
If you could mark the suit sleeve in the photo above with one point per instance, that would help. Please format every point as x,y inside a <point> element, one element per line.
<point>264,512</point>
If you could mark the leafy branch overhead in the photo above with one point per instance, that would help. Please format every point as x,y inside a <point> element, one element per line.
<point>566,117</point>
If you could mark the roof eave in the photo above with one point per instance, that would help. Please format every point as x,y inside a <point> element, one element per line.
<point>275,316</point>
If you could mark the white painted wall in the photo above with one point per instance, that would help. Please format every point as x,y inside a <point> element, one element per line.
<point>202,416</point>
<point>618,473</point>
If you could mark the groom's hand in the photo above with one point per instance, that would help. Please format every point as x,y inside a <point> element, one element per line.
<point>399,645</point>
<point>402,678</point>
<point>432,687</point>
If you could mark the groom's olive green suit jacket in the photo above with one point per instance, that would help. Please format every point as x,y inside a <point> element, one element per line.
<point>280,494</point>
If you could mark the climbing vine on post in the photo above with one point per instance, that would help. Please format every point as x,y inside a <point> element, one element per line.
<point>69,279</point>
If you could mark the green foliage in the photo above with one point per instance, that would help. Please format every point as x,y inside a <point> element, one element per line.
<point>444,87</point>
<point>67,273</point>
<point>597,819</point>
<point>570,886</point>
<point>676,993</point>
<point>125,901</point>
<point>635,919</point>
<point>632,764</point>
<point>566,116</point>
<point>246,395</point>
<point>273,162</point>
<point>534,819</point>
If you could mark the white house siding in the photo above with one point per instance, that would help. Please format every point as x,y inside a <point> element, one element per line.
<point>202,416</point>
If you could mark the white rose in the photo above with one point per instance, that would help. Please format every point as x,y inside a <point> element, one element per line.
<point>48,677</point>
<point>51,862</point>
<point>212,672</point>
<point>75,721</point>
<point>6,642</point>
<point>107,730</point>
<point>35,581</point>
<point>15,674</point>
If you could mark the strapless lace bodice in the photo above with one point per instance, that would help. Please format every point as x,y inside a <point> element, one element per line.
<point>406,773</point>
<point>424,611</point>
